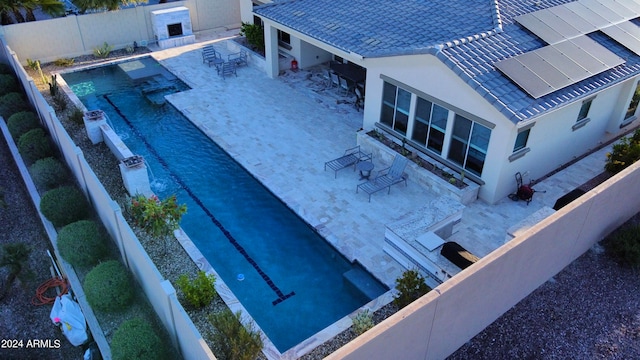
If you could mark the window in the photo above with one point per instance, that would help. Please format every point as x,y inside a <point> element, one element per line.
<point>430,124</point>
<point>521,140</point>
<point>469,143</point>
<point>631,111</point>
<point>284,38</point>
<point>395,108</point>
<point>584,110</point>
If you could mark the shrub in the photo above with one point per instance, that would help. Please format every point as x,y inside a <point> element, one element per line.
<point>77,116</point>
<point>8,83</point>
<point>12,103</point>
<point>48,173</point>
<point>410,286</point>
<point>136,340</point>
<point>200,291</point>
<point>624,246</point>
<point>82,243</point>
<point>64,205</point>
<point>21,122</point>
<point>34,145</point>
<point>624,153</point>
<point>102,51</point>
<point>6,69</point>
<point>65,62</point>
<point>108,287</point>
<point>232,340</point>
<point>362,322</point>
<point>254,34</point>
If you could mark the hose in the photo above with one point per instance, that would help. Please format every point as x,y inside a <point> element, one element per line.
<point>41,298</point>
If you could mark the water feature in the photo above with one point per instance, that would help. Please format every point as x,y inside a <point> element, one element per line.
<point>293,282</point>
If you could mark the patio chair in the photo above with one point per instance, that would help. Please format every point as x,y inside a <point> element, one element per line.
<point>209,54</point>
<point>350,158</point>
<point>239,58</point>
<point>386,177</point>
<point>228,68</point>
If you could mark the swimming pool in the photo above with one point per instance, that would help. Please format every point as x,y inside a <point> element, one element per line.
<point>295,284</point>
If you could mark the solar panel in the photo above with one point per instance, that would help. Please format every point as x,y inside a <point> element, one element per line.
<point>627,34</point>
<point>632,5</point>
<point>545,70</point>
<point>623,11</point>
<point>572,18</point>
<point>539,27</point>
<point>588,15</point>
<point>604,10</point>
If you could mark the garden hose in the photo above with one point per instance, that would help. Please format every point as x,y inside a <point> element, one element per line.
<point>41,298</point>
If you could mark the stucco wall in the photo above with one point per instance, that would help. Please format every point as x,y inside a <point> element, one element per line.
<point>71,36</point>
<point>443,320</point>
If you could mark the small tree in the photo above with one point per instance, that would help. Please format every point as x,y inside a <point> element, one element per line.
<point>158,218</point>
<point>410,286</point>
<point>232,340</point>
<point>15,257</point>
<point>200,291</point>
<point>254,34</point>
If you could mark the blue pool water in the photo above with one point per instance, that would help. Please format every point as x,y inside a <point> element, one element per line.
<point>294,282</point>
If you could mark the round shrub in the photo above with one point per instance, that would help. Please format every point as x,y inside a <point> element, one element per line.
<point>21,122</point>
<point>6,69</point>
<point>136,340</point>
<point>64,205</point>
<point>8,83</point>
<point>12,103</point>
<point>82,243</point>
<point>34,145</point>
<point>108,287</point>
<point>48,173</point>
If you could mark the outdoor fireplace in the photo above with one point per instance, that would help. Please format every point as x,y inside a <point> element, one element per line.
<point>172,27</point>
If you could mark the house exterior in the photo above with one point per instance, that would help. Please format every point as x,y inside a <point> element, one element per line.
<point>487,88</point>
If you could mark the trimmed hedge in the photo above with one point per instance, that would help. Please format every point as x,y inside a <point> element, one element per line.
<point>82,243</point>
<point>48,173</point>
<point>108,287</point>
<point>8,83</point>
<point>34,145</point>
<point>21,122</point>
<point>12,103</point>
<point>135,339</point>
<point>64,205</point>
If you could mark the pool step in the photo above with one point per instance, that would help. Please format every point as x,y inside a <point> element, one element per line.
<point>362,281</point>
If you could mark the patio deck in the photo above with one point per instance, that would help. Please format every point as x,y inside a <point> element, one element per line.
<point>283,131</point>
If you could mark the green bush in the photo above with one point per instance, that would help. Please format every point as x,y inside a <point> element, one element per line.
<point>64,205</point>
<point>6,69</point>
<point>21,122</point>
<point>65,62</point>
<point>77,116</point>
<point>34,145</point>
<point>136,340</point>
<point>624,153</point>
<point>231,340</point>
<point>82,243</point>
<point>254,34</point>
<point>12,103</point>
<point>8,83</point>
<point>624,246</point>
<point>362,322</point>
<point>102,51</point>
<point>108,287</point>
<point>48,173</point>
<point>410,286</point>
<point>200,291</point>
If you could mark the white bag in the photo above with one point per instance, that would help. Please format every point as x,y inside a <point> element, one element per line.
<point>67,314</point>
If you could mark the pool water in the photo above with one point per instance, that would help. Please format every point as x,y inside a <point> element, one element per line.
<point>293,283</point>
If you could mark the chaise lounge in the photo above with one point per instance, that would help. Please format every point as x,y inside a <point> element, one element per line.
<point>350,158</point>
<point>386,177</point>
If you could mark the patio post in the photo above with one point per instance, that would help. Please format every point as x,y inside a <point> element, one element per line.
<point>271,50</point>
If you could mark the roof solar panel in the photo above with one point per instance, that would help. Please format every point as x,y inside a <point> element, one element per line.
<point>542,30</point>
<point>545,70</point>
<point>627,34</point>
<point>622,11</point>
<point>604,10</point>
<point>557,23</point>
<point>589,15</point>
<point>525,78</point>
<point>574,19</point>
<point>632,5</point>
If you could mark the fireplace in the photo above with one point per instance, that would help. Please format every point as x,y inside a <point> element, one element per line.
<point>174,29</point>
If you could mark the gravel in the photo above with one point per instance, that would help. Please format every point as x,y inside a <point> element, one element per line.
<point>589,310</point>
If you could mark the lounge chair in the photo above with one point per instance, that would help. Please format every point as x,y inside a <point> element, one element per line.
<point>386,177</point>
<point>350,158</point>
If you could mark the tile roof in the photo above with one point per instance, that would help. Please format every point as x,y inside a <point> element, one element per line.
<point>468,36</point>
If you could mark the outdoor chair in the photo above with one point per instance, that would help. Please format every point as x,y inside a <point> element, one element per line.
<point>211,56</point>
<point>350,158</point>
<point>386,177</point>
<point>359,104</point>
<point>239,58</point>
<point>228,68</point>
